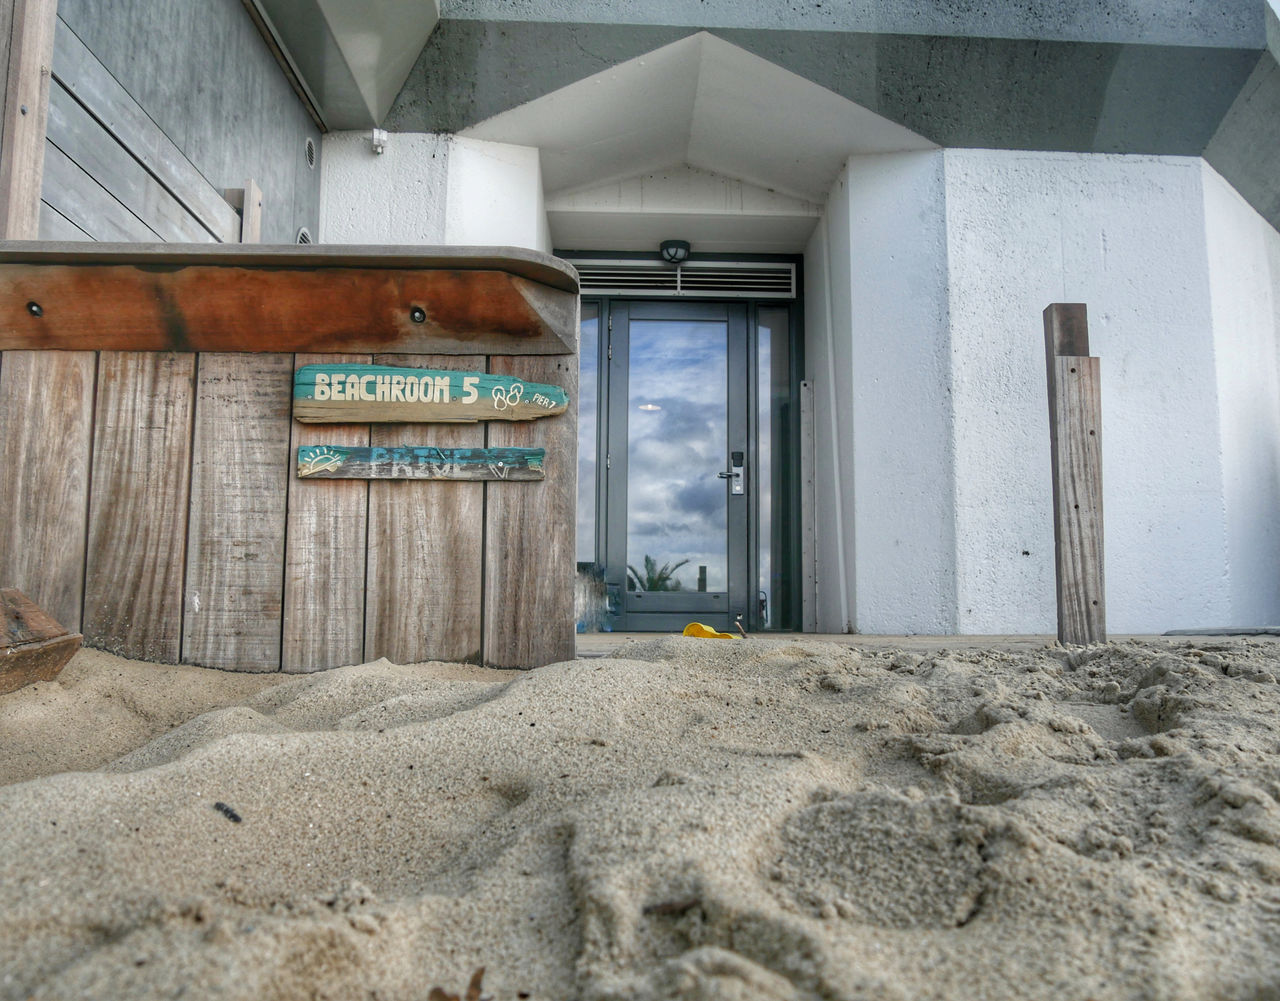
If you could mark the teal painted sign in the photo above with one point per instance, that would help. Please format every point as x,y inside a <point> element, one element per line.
<point>380,393</point>
<point>419,462</point>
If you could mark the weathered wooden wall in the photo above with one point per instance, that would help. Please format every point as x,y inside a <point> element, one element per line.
<point>202,546</point>
<point>151,500</point>
<point>172,98</point>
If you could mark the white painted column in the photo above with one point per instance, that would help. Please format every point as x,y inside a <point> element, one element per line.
<point>1243,254</point>
<point>495,196</point>
<point>825,329</point>
<point>877,350</point>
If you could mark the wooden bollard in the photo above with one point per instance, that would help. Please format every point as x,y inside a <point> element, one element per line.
<point>1075,437</point>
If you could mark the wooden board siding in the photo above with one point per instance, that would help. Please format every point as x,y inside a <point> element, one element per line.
<point>529,535</point>
<point>425,547</point>
<point>236,536</point>
<point>114,175</point>
<point>124,122</point>
<point>46,417</point>
<point>55,226</point>
<point>75,195</point>
<point>138,504</point>
<point>325,562</point>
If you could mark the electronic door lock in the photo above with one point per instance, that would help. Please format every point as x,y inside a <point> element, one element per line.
<point>734,473</point>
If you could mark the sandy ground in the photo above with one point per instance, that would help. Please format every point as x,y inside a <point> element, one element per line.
<point>694,819</point>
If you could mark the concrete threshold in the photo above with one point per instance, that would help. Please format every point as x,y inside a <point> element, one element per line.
<point>607,644</point>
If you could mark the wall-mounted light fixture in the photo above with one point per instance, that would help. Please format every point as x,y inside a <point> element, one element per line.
<point>674,251</point>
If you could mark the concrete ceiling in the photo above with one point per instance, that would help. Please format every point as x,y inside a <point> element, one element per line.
<point>1165,77</point>
<point>348,58</point>
<point>703,102</point>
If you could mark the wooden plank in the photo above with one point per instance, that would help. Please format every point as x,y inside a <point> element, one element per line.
<point>82,139</point>
<point>78,197</point>
<point>558,312</point>
<point>325,558</point>
<point>46,416</point>
<point>1075,435</point>
<point>80,72</point>
<point>386,394</point>
<point>224,307</point>
<point>537,267</point>
<point>239,487</point>
<point>6,27</point>
<point>425,551</point>
<point>138,504</point>
<point>1066,329</point>
<point>419,462</point>
<point>251,213</point>
<point>1078,502</point>
<point>33,645</point>
<point>529,574</point>
<point>30,43</point>
<point>55,226</point>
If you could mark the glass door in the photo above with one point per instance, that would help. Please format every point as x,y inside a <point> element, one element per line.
<point>678,464</point>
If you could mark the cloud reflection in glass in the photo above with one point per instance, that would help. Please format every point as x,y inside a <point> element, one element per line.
<point>677,508</point>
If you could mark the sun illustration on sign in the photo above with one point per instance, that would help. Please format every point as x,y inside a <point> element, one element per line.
<point>319,459</point>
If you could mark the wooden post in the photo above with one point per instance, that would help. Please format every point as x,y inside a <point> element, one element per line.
<point>248,202</point>
<point>1075,437</point>
<point>26,112</point>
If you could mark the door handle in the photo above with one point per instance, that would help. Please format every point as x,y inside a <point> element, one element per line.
<point>734,473</point>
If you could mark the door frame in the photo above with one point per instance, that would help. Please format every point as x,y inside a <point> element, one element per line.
<point>652,611</point>
<point>790,594</point>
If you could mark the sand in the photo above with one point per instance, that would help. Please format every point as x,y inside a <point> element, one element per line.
<point>694,819</point>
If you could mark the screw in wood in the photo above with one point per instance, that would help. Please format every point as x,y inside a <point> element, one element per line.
<point>35,309</point>
<point>418,315</point>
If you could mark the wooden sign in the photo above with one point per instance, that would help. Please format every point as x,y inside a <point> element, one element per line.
<point>382,394</point>
<point>419,462</point>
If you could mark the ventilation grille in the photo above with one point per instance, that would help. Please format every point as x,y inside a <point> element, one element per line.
<point>304,235</point>
<point>709,279</point>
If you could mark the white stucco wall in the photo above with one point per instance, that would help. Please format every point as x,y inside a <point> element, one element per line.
<point>926,281</point>
<point>1244,285</point>
<point>1125,235</point>
<point>395,197</point>
<point>903,464</point>
<point>431,189</point>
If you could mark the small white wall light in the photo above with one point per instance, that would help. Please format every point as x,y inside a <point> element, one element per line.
<point>674,251</point>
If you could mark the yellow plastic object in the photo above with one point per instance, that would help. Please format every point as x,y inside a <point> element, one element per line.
<point>706,632</point>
